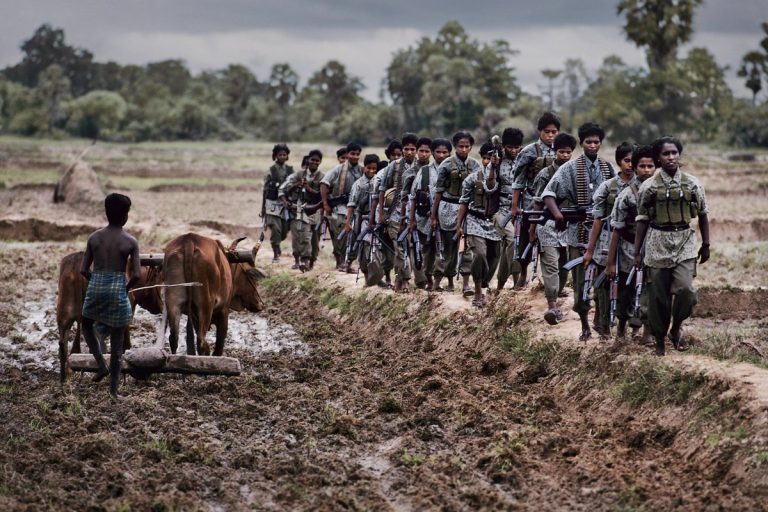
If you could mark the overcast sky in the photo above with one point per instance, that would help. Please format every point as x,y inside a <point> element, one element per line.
<point>363,34</point>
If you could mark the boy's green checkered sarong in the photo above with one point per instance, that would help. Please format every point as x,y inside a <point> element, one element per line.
<point>106,300</point>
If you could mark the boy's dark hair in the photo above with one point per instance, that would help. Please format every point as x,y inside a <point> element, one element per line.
<point>588,129</point>
<point>436,143</point>
<point>117,207</point>
<point>341,152</point>
<point>304,161</point>
<point>354,146</point>
<point>512,137</point>
<point>278,148</point>
<point>393,144</point>
<point>486,148</point>
<point>624,149</point>
<point>318,153</point>
<point>564,140</point>
<point>546,119</point>
<point>424,141</point>
<point>642,152</point>
<point>463,135</point>
<point>410,138</point>
<point>383,164</point>
<point>370,158</point>
<point>659,143</point>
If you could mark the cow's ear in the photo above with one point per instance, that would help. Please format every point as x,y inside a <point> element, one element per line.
<point>256,273</point>
<point>236,241</point>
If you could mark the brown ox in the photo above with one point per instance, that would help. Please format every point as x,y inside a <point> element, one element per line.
<point>225,286</point>
<point>71,294</point>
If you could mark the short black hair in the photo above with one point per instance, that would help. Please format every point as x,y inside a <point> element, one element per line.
<point>486,148</point>
<point>642,152</point>
<point>304,161</point>
<point>436,143</point>
<point>589,129</point>
<point>546,119</point>
<point>424,141</point>
<point>278,148</point>
<point>383,164</point>
<point>117,207</point>
<point>341,152</point>
<point>659,143</point>
<point>512,137</point>
<point>463,135</point>
<point>393,144</point>
<point>369,158</point>
<point>410,138</point>
<point>564,140</point>
<point>354,146</point>
<point>624,149</point>
<point>317,153</point>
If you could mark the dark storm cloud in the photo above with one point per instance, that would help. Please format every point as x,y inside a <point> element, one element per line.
<point>363,35</point>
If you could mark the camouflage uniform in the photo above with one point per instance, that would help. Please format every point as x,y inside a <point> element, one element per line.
<point>333,179</point>
<point>553,249</point>
<point>450,178</point>
<point>602,205</point>
<point>482,237</point>
<point>623,218</point>
<point>426,175</point>
<point>669,204</point>
<point>277,221</point>
<point>507,262</point>
<point>302,235</point>
<point>360,202</point>
<point>563,186</point>
<point>393,177</point>
<point>532,158</point>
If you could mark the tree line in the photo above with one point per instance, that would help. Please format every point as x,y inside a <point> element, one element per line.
<point>437,85</point>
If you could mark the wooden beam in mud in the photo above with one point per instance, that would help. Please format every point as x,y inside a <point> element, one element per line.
<point>198,365</point>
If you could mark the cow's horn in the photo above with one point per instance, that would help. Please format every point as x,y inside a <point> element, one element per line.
<point>233,245</point>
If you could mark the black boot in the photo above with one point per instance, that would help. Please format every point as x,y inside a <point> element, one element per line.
<point>659,347</point>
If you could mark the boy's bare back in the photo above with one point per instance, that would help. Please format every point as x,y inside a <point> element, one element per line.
<point>109,248</point>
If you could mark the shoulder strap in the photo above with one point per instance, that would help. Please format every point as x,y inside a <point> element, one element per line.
<point>538,149</point>
<point>342,181</point>
<point>635,190</point>
<point>424,177</point>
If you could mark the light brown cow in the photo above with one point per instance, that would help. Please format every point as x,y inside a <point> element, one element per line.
<point>70,297</point>
<point>225,286</point>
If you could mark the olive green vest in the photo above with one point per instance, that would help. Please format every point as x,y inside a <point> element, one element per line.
<point>675,203</point>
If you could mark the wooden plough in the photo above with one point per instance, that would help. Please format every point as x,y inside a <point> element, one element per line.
<point>144,361</point>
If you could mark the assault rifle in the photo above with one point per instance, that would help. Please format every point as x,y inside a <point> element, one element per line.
<point>570,215</point>
<point>418,257</point>
<point>402,239</point>
<point>614,293</point>
<point>263,228</point>
<point>534,261</point>
<point>310,209</point>
<point>589,277</point>
<point>439,245</point>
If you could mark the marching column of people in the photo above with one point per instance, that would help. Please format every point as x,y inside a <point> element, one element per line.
<point>432,212</point>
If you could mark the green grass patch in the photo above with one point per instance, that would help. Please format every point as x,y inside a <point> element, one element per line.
<point>413,459</point>
<point>650,381</point>
<point>518,341</point>
<point>12,176</point>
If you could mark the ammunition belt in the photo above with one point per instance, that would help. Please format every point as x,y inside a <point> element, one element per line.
<point>452,200</point>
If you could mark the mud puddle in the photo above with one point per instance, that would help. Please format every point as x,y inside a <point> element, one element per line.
<point>33,343</point>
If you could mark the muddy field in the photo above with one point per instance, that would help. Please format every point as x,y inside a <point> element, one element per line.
<point>357,399</point>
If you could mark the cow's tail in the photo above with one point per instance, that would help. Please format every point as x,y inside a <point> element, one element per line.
<point>189,276</point>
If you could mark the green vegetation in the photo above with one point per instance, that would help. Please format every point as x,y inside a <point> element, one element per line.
<point>413,459</point>
<point>439,84</point>
<point>744,343</point>
<point>647,380</point>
